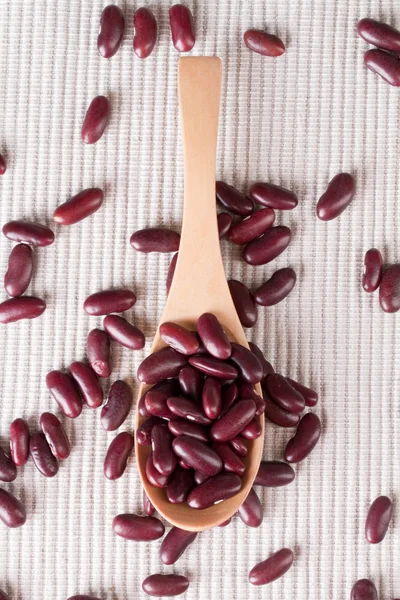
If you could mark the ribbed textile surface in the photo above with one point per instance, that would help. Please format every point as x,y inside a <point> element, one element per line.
<point>296,121</point>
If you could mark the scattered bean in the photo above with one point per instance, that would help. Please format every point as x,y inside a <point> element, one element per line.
<point>174,544</point>
<point>182,30</point>
<point>263,43</point>
<point>338,196</point>
<point>273,196</point>
<point>389,290</point>
<point>266,366</point>
<point>305,439</point>
<point>284,394</point>
<point>145,36</point>
<point>117,455</point>
<point>83,597</point>
<point>244,303</point>
<point>12,513</point>
<point>224,221</point>
<point>42,456</point>
<point>88,384</point>
<point>119,403</point>
<point>378,519</point>
<point>165,585</point>
<point>96,120</point>
<point>139,529</point>
<point>379,34</point>
<point>274,474</point>
<point>372,275</point>
<point>252,227</point>
<point>155,240</point>
<point>277,288</point>
<point>112,25</point>
<point>3,165</point>
<point>8,470</point>
<point>383,64</point>
<point>123,332</point>
<point>108,301</point>
<point>234,200</point>
<point>79,207</point>
<point>364,589</point>
<point>23,307</point>
<point>272,568</point>
<point>20,270</point>
<point>309,395</point>
<point>267,247</point>
<point>278,415</point>
<point>29,233</point>
<point>98,352</point>
<point>55,436</point>
<point>65,392</point>
<point>19,442</point>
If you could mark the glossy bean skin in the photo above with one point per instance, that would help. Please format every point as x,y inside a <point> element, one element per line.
<point>378,519</point>
<point>55,435</point>
<point>123,332</point>
<point>187,409</point>
<point>272,568</point>
<point>8,470</point>
<point>160,365</point>
<point>213,490</point>
<point>145,36</point>
<point>250,368</point>
<point>273,196</point>
<point>19,442</point>
<point>267,247</point>
<point>108,301</point>
<point>3,165</point>
<point>98,352</point>
<point>119,403</point>
<point>184,427</point>
<point>284,394</point>
<point>213,367</point>
<point>171,271</point>
<point>277,288</point>
<point>164,459</point>
<point>20,270</point>
<point>147,505</point>
<point>239,446</point>
<point>182,30</point>
<point>252,431</point>
<point>42,457</point>
<point>139,529</point>
<point>231,461</point>
<point>88,383</point>
<point>274,474</point>
<point>214,338</point>
<point>154,476</point>
<point>165,585</point>
<point>12,513</point>
<point>230,424</point>
<point>180,485</point>
<point>175,543</point>
<point>251,512</point>
<point>263,43</point>
<point>156,405</point>
<point>65,392</point>
<point>211,398</point>
<point>112,25</point>
<point>305,439</point>
<point>155,240</point>
<point>278,415</point>
<point>179,338</point>
<point>379,34</point>
<point>244,303</point>
<point>197,455</point>
<point>143,432</point>
<point>23,307</point>
<point>309,395</point>
<point>266,366</point>
<point>200,477</point>
<point>79,207</point>
<point>224,222</point>
<point>372,275</point>
<point>96,120</point>
<point>248,391</point>
<point>191,382</point>
<point>252,227</point>
<point>389,290</point>
<point>29,233</point>
<point>234,200</point>
<point>117,455</point>
<point>337,197</point>
<point>364,589</point>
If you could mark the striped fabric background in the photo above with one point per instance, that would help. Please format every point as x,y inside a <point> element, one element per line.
<point>296,121</point>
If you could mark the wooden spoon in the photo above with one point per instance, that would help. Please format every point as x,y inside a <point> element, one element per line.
<point>199,284</point>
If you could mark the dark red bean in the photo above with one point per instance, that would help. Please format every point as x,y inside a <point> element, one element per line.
<point>234,200</point>
<point>230,459</point>
<point>215,489</point>
<point>184,465</point>
<point>171,271</point>
<point>263,43</point>
<point>139,529</point>
<point>389,290</point>
<point>156,405</point>
<point>163,364</point>
<point>229,395</point>
<point>197,455</point>
<point>19,442</point>
<point>187,409</point>
<point>244,303</point>
<point>378,519</point>
<point>272,568</point>
<point>20,270</point>
<point>339,194</point>
<point>88,384</point>
<point>112,25</point>
<point>224,222</point>
<point>8,470</point>
<point>119,403</point>
<point>252,227</point>
<point>278,415</point>
<point>266,366</point>
<point>143,432</point>
<point>284,394</point>
<point>29,233</point>
<point>213,367</point>
<point>309,395</point>
<point>364,589</point>
<point>252,431</point>
<point>225,523</point>
<point>23,307</point>
<point>214,338</point>
<point>273,196</point>
<point>251,512</point>
<point>145,36</point>
<point>123,332</point>
<point>117,455</point>
<point>181,484</point>
<point>3,595</point>
<point>200,477</point>
<point>65,392</point>
<point>154,476</point>
<point>277,288</point>
<point>147,505</point>
<point>267,247</point>
<point>304,440</point>
<point>107,301</point>
<point>248,391</point>
<point>98,352</point>
<point>179,338</point>
<point>274,474</point>
<point>182,30</point>
<point>239,446</point>
<point>231,423</point>
<point>183,427</point>
<point>164,459</point>
<point>3,165</point>
<point>96,120</point>
<point>191,382</point>
<point>165,585</point>
<point>12,513</point>
<point>79,207</point>
<point>250,368</point>
<point>175,543</point>
<point>83,597</point>
<point>43,459</point>
<point>379,34</point>
<point>155,240</point>
<point>212,401</point>
<point>372,270</point>
<point>55,435</point>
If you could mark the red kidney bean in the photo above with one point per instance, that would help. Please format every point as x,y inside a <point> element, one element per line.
<point>98,352</point>
<point>304,440</point>
<point>143,432</point>
<point>88,384</point>
<point>156,405</point>
<point>42,456</point>
<point>119,403</point>
<point>234,200</point>
<point>309,395</point>
<point>225,523</point>
<point>163,364</point>
<point>55,435</point>
<point>252,227</point>
<point>165,585</point>
<point>171,271</point>
<point>123,332</point>
<point>117,455</point>
<point>379,34</point>
<point>83,597</point>
<point>187,409</point>
<point>8,470</point>
<point>183,427</point>
<point>214,490</point>
<point>96,120</point>
<point>112,25</point>
<point>174,544</point>
<point>251,512</point>
<point>154,476</point>
<point>12,513</point>
<point>284,394</point>
<point>263,43</point>
<point>252,431</point>
<point>23,307</point>
<point>200,477</point>
<point>107,301</point>
<point>155,240</point>
<point>182,30</point>
<point>274,474</point>
<point>20,270</point>
<point>164,459</point>
<point>231,423</point>
<point>273,196</point>
<point>145,36</point>
<point>212,401</point>
<point>372,270</point>
<point>244,303</point>
<point>213,367</point>
<point>267,247</point>
<point>3,595</point>
<point>364,589</point>
<point>214,338</point>
<point>197,455</point>
<point>3,166</point>
<point>272,568</point>
<point>247,391</point>
<point>147,505</point>
<point>180,485</point>
<point>79,207</point>
<point>29,233</point>
<point>224,222</point>
<point>378,519</point>
<point>229,395</point>
<point>239,446</point>
<point>179,338</point>
<point>338,196</point>
<point>383,64</point>
<point>139,529</point>
<point>250,368</point>
<point>65,392</point>
<point>230,459</point>
<point>389,290</point>
<point>278,415</point>
<point>277,288</point>
<point>19,442</point>
<point>266,366</point>
<point>191,382</point>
